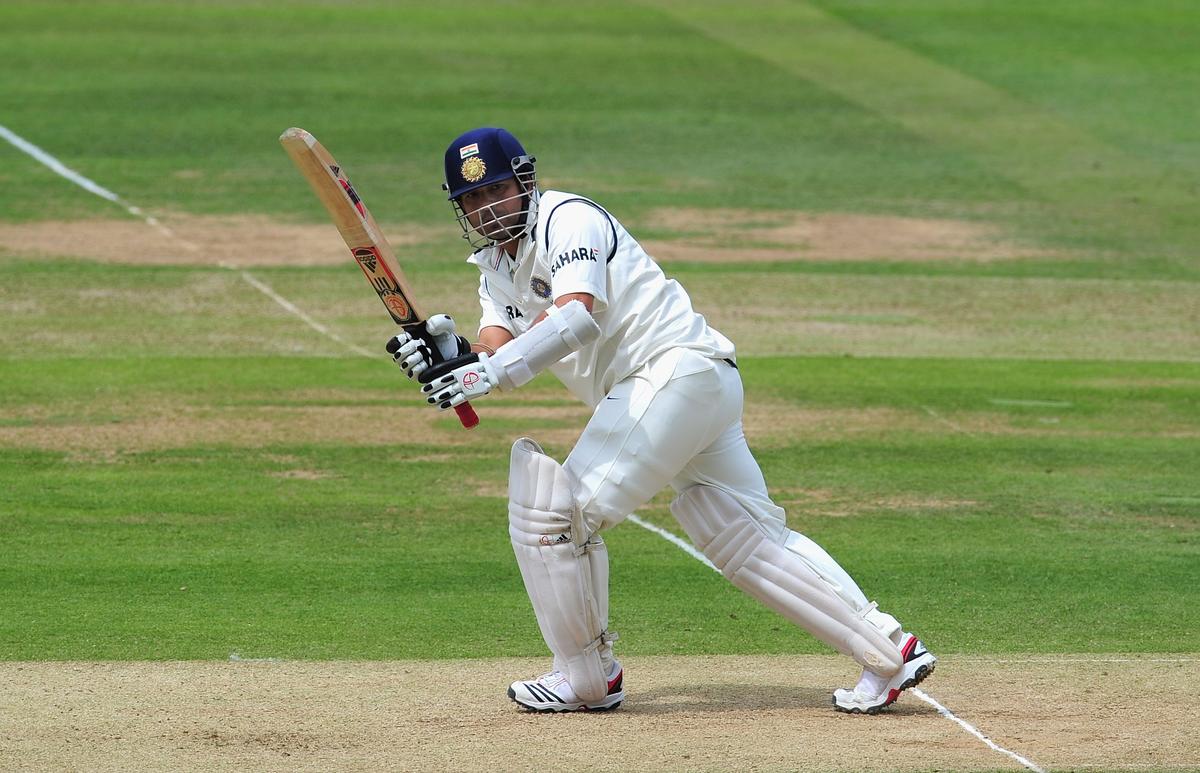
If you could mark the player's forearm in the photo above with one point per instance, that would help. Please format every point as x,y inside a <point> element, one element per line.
<point>587,299</point>
<point>491,338</point>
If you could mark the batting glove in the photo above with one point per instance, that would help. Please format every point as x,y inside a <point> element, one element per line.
<point>426,344</point>
<point>456,381</point>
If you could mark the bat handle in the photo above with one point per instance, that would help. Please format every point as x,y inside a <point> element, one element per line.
<point>467,415</point>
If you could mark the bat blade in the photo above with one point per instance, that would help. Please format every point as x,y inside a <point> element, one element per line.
<point>361,234</point>
<point>355,223</point>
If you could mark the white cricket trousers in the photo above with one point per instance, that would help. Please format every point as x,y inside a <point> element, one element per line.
<point>678,421</point>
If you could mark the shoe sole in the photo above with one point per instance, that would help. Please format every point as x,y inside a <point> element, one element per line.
<point>564,709</point>
<point>918,676</point>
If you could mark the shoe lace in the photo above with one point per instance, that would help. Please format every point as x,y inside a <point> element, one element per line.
<point>551,677</point>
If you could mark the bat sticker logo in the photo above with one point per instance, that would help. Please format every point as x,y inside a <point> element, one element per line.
<point>353,194</point>
<point>398,306</point>
<point>367,258</point>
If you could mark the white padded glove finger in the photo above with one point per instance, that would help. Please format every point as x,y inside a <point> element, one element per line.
<point>411,354</point>
<point>459,380</point>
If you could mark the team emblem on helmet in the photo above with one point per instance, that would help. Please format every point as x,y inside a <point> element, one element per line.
<point>473,169</point>
<point>540,287</point>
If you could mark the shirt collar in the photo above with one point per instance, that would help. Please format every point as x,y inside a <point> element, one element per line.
<point>490,258</point>
<point>493,258</point>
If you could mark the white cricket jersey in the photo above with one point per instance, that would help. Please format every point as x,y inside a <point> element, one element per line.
<point>577,247</point>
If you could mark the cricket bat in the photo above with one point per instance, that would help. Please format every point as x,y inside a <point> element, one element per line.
<point>361,233</point>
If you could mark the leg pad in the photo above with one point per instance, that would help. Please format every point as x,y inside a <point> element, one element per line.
<point>561,568</point>
<point>779,578</point>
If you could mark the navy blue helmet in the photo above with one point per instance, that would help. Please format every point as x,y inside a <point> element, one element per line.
<point>482,157</point>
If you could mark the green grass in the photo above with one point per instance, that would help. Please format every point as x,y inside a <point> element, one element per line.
<point>1004,452</point>
<point>1084,531</point>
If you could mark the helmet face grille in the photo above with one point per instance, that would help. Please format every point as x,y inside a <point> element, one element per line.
<point>495,229</point>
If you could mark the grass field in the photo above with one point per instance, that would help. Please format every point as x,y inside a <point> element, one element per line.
<point>955,243</point>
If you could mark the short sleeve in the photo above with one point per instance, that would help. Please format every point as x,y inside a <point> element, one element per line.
<point>492,311</point>
<point>580,239</point>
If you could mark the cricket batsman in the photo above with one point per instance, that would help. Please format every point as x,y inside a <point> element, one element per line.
<point>564,287</point>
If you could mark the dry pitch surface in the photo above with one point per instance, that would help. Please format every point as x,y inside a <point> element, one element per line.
<point>1086,712</point>
<point>708,236</point>
<point>701,713</point>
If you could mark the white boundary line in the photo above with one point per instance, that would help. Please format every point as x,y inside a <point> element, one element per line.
<point>945,712</point>
<point>91,186</point>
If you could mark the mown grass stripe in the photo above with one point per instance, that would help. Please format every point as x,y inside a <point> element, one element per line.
<point>1053,159</point>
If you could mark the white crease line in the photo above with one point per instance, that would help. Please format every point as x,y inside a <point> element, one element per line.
<point>1031,403</point>
<point>945,712</point>
<point>266,290</point>
<point>59,168</point>
<point>683,545</point>
<point>939,417</point>
<point>236,658</point>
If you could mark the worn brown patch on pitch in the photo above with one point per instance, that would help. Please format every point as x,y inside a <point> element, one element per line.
<point>236,241</point>
<point>1141,382</point>
<point>706,236</point>
<point>681,713</point>
<point>826,502</point>
<point>115,427</point>
<point>495,486</point>
<point>103,429</point>
<point>777,422</point>
<point>749,235</point>
<point>148,427</point>
<point>300,474</point>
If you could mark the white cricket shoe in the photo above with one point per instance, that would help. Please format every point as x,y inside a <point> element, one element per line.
<point>874,692</point>
<point>552,692</point>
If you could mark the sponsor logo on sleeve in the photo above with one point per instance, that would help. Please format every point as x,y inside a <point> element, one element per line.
<point>574,256</point>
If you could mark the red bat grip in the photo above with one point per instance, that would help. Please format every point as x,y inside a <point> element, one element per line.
<point>467,415</point>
